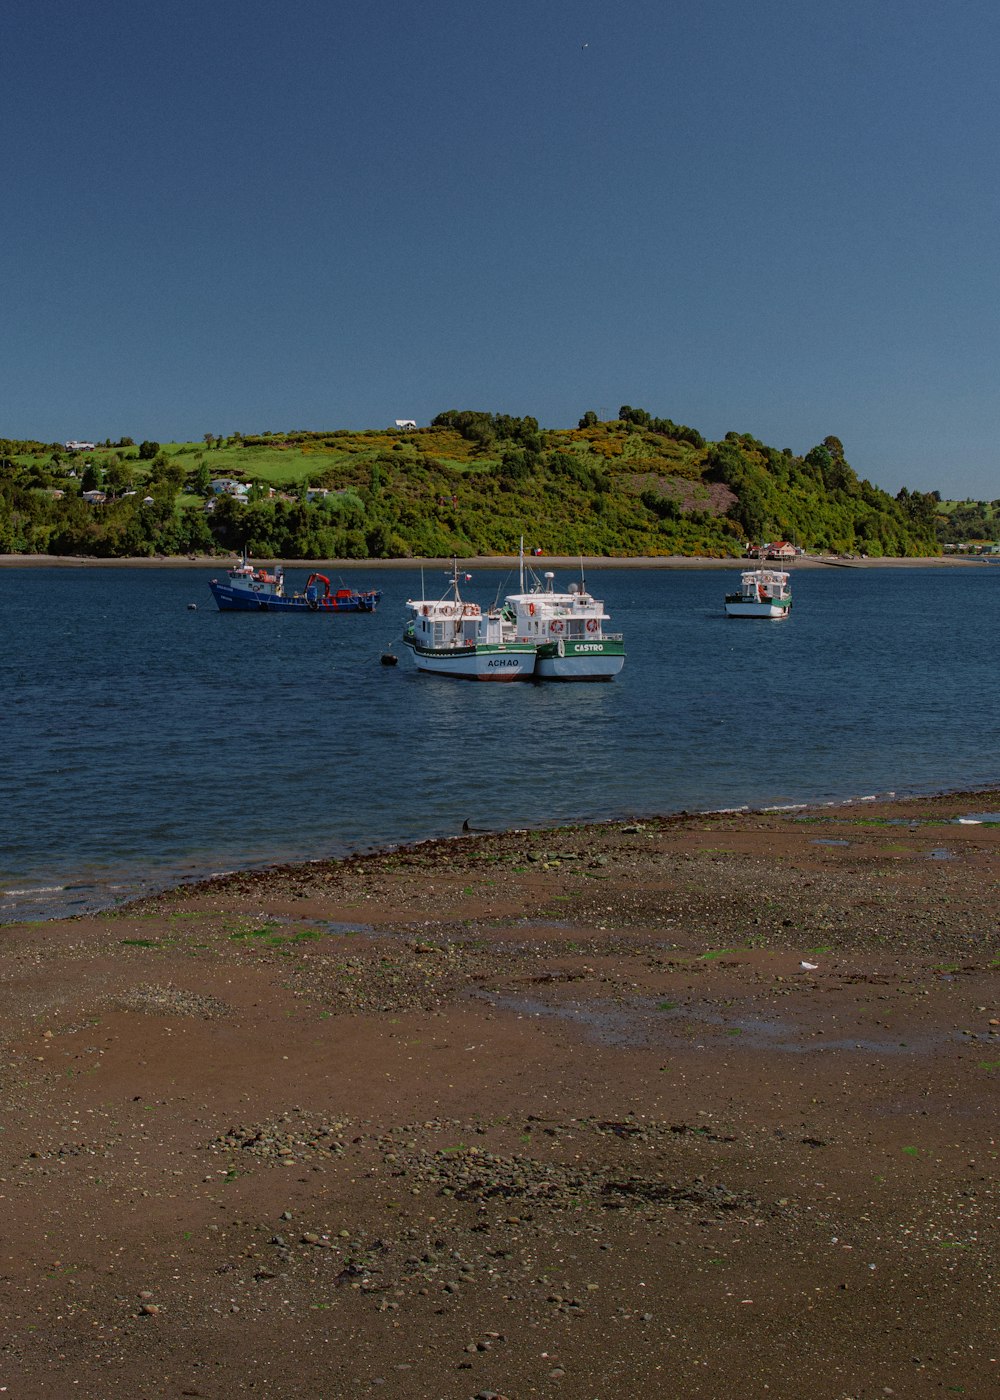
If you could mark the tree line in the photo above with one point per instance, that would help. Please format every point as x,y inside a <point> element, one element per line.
<point>470,483</point>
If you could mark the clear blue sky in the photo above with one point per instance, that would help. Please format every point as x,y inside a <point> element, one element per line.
<point>777,217</point>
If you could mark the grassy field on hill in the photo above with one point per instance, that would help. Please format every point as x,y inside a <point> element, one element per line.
<point>470,483</point>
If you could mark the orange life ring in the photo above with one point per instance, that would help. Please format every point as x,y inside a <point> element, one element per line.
<point>556,625</point>
<point>531,609</point>
<point>592,624</point>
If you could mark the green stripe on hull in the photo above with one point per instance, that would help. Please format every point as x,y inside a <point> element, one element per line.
<point>582,649</point>
<point>580,660</point>
<point>486,649</point>
<point>486,662</point>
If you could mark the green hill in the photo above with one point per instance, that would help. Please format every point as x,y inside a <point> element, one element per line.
<point>471,483</point>
<point>963,522</point>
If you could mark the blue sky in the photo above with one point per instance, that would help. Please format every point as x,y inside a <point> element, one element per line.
<point>778,218</point>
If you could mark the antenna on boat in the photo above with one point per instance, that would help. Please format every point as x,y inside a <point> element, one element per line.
<point>520,560</point>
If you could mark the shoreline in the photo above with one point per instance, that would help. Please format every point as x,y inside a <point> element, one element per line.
<point>110,904</point>
<point>493,561</point>
<point>960,808</point>
<point>555,1112</point>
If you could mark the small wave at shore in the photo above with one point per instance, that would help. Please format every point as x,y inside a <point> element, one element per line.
<point>49,902</point>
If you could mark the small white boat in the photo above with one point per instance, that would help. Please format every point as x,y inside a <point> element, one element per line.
<point>763,593</point>
<point>449,637</point>
<point>566,629</point>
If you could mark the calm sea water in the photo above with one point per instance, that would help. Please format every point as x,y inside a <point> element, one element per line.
<point>145,743</point>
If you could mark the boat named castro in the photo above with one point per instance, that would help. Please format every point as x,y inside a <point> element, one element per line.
<point>566,629</point>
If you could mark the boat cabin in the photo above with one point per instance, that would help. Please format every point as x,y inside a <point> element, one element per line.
<point>546,616</point>
<point>764,585</point>
<point>245,578</point>
<point>438,626</point>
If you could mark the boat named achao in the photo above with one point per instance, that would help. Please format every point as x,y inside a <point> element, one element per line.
<point>449,637</point>
<point>258,589</point>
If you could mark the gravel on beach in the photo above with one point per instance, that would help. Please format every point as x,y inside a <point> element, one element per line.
<point>702,1105</point>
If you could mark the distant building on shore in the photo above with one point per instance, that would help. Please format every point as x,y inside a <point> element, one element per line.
<point>973,547</point>
<point>75,446</point>
<point>781,549</point>
<point>403,423</point>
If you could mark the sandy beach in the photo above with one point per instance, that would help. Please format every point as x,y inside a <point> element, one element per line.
<point>694,1106</point>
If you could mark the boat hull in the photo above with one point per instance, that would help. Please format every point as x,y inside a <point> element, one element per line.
<point>482,663</point>
<point>768,611</point>
<point>579,661</point>
<point>241,600</point>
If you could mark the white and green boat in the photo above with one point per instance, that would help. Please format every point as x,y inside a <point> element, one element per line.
<point>764,593</point>
<point>449,637</point>
<point>566,629</point>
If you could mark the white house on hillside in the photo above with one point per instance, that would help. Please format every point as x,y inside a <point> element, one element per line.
<point>405,423</point>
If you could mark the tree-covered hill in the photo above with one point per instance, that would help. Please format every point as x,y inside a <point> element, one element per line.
<point>471,483</point>
<point>968,522</point>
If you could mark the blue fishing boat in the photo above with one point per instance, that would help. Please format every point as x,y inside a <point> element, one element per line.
<point>250,589</point>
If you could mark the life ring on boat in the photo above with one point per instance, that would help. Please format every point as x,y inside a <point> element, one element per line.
<point>447,610</point>
<point>468,610</point>
<point>556,625</point>
<point>531,609</point>
<point>592,624</point>
<point>425,610</point>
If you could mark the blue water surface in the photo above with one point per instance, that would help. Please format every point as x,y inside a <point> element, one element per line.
<point>147,743</point>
